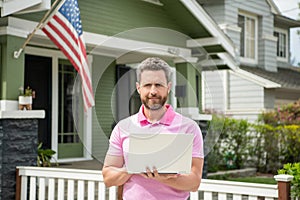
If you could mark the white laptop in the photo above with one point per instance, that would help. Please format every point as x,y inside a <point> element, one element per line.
<point>169,152</point>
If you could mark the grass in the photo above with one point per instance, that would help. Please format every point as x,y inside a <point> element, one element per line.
<point>256,179</point>
<point>264,180</point>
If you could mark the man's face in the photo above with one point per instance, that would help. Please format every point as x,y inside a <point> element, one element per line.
<point>153,89</point>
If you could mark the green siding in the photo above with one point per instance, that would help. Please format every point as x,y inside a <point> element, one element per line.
<point>186,75</point>
<point>104,80</point>
<point>110,17</point>
<point>12,70</point>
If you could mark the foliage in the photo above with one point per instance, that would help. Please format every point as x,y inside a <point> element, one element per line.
<point>27,92</point>
<point>44,156</point>
<point>294,170</point>
<point>267,144</point>
<point>286,115</point>
<point>231,148</point>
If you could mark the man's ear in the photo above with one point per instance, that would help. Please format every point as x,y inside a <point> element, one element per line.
<point>169,87</point>
<point>137,85</point>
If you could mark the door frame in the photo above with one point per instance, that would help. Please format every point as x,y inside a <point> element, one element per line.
<point>87,139</point>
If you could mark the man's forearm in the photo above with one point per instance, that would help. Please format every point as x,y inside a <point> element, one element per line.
<point>114,176</point>
<point>184,182</point>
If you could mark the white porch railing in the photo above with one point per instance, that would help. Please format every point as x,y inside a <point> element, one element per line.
<point>57,183</point>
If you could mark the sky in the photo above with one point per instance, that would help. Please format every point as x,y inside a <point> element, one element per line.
<point>291,9</point>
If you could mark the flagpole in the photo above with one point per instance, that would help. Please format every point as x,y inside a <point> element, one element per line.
<point>18,53</point>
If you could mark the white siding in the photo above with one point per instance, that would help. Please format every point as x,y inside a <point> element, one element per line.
<point>244,95</point>
<point>213,90</point>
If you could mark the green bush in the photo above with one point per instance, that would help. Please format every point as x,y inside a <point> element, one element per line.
<point>294,170</point>
<point>286,115</point>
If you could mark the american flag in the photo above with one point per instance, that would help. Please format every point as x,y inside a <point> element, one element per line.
<point>65,30</point>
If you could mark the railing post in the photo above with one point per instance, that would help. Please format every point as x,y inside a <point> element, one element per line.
<point>284,186</point>
<point>18,185</point>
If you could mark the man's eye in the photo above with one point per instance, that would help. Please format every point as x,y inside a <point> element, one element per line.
<point>158,85</point>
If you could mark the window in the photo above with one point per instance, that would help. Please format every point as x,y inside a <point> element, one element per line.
<point>248,39</point>
<point>282,44</point>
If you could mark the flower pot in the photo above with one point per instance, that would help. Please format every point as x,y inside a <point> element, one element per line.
<point>25,102</point>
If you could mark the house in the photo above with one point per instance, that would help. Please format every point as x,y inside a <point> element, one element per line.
<point>118,34</point>
<point>265,78</point>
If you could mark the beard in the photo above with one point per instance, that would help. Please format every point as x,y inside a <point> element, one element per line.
<point>154,104</point>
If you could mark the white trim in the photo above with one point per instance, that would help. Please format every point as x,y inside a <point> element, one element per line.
<point>286,32</point>
<point>202,42</point>
<point>88,136</point>
<point>226,89</point>
<point>228,60</point>
<point>230,27</point>
<point>127,45</point>
<point>106,45</point>
<point>255,79</point>
<point>200,14</point>
<point>274,7</point>
<point>56,55</point>
<point>203,91</point>
<point>66,160</point>
<point>13,6</point>
<point>255,59</point>
<point>269,37</point>
<point>7,105</point>
<point>21,114</point>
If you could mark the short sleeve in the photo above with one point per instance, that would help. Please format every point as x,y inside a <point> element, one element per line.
<point>198,150</point>
<point>115,143</point>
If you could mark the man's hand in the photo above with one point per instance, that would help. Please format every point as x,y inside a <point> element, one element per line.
<point>161,177</point>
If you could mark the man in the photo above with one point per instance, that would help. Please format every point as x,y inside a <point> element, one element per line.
<point>155,116</point>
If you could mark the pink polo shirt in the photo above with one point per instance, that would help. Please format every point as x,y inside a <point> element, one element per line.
<point>138,187</point>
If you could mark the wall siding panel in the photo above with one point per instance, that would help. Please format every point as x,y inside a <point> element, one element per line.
<point>104,80</point>
<point>244,94</point>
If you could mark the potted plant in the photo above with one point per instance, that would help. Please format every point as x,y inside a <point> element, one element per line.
<point>44,156</point>
<point>25,99</point>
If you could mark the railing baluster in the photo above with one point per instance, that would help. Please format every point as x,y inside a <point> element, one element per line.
<point>80,190</point>
<point>113,193</point>
<point>61,189</point>
<point>32,192</point>
<point>252,198</point>
<point>78,179</point>
<point>194,195</point>
<point>91,190</point>
<point>208,195</point>
<point>41,188</point>
<point>222,196</point>
<point>24,182</point>
<point>101,191</point>
<point>70,189</point>
<point>51,189</point>
<point>237,197</point>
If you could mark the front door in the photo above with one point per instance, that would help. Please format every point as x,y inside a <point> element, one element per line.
<point>69,142</point>
<point>38,76</point>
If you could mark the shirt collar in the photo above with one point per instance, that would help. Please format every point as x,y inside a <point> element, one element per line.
<point>166,119</point>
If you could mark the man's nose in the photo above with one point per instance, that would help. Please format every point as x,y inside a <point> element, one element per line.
<point>153,89</point>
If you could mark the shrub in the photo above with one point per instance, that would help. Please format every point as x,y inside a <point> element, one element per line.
<point>286,115</point>
<point>294,170</point>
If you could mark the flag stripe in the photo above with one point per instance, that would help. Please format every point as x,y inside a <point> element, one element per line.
<point>64,29</point>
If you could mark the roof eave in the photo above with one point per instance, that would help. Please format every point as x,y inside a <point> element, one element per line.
<point>291,23</point>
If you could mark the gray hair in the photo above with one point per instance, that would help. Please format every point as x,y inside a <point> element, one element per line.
<point>154,64</point>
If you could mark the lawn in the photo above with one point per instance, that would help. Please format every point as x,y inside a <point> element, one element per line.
<point>256,179</point>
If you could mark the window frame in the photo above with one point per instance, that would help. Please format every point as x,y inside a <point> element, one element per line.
<point>255,18</point>
<point>286,33</point>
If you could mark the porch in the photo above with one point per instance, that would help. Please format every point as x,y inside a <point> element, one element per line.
<point>65,183</point>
